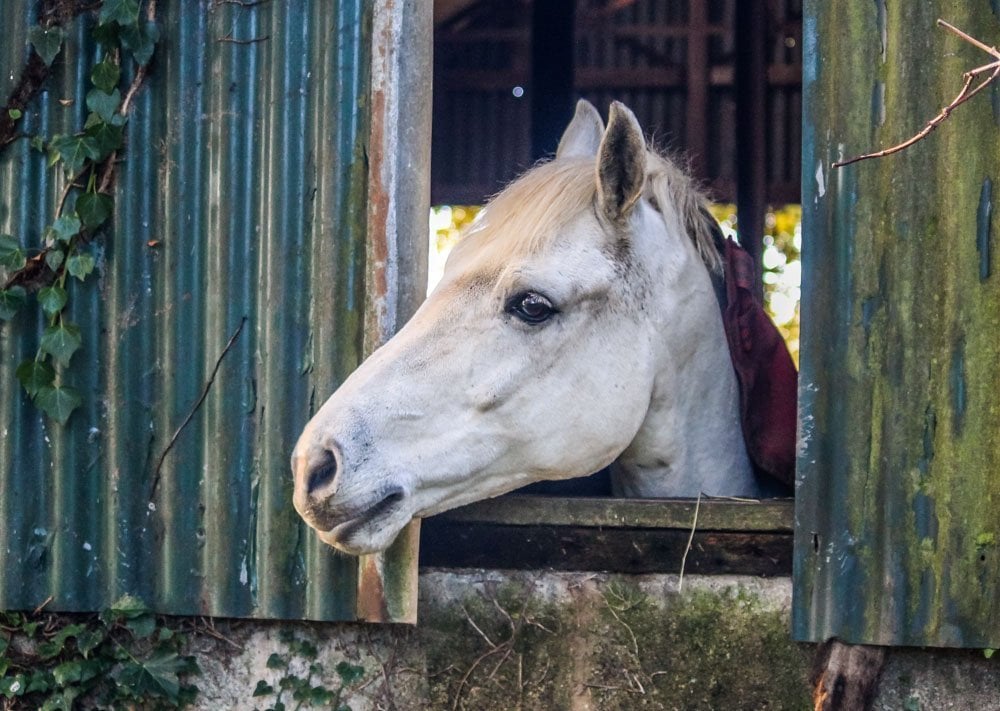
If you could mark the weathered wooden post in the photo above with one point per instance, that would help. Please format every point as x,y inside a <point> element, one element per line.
<point>898,511</point>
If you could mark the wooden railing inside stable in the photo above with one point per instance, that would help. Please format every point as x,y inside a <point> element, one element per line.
<point>614,535</point>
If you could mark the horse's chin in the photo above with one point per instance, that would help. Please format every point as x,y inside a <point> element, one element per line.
<point>364,537</point>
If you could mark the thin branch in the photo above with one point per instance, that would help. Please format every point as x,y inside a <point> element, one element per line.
<point>197,406</point>
<point>253,40</point>
<point>42,606</point>
<point>239,3</point>
<point>964,95</point>
<point>968,38</point>
<point>687,548</point>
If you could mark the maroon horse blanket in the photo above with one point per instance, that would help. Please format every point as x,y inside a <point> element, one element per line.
<point>767,377</point>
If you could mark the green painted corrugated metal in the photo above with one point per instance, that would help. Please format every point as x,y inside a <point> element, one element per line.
<point>240,212</point>
<point>898,504</point>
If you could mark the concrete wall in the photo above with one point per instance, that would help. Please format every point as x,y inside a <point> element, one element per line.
<point>513,640</point>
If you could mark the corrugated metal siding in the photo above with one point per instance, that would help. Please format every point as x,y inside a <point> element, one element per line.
<point>898,508</point>
<point>246,165</point>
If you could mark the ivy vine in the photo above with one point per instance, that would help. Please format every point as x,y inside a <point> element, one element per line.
<point>121,658</point>
<point>126,36</point>
<point>302,690</point>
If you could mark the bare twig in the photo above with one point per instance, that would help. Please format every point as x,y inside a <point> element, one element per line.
<point>253,40</point>
<point>197,406</point>
<point>476,627</point>
<point>239,3</point>
<point>208,627</point>
<point>41,607</point>
<point>968,38</point>
<point>506,648</point>
<point>964,95</point>
<point>687,548</point>
<point>623,623</point>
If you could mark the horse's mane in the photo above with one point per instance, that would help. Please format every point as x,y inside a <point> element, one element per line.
<point>533,208</point>
<point>671,186</point>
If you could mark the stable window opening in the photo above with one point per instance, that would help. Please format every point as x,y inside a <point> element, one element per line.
<point>726,102</point>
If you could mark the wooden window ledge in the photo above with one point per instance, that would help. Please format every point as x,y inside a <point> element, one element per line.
<point>613,535</point>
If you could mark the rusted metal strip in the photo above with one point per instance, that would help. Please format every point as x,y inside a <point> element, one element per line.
<point>398,205</point>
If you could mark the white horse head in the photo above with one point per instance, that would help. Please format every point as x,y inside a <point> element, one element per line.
<point>576,325</point>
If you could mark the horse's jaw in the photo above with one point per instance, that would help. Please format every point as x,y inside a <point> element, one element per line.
<point>691,441</point>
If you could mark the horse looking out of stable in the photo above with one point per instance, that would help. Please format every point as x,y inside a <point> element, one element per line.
<point>577,326</point>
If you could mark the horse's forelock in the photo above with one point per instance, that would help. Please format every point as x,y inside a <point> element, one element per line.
<point>527,215</point>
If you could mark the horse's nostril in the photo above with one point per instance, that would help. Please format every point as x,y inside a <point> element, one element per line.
<point>393,496</point>
<point>322,473</point>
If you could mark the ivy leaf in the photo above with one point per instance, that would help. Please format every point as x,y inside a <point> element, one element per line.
<point>61,341</point>
<point>93,209</point>
<point>47,41</point>
<point>107,136</point>
<point>54,259</point>
<point>124,12</point>
<point>105,75</point>
<point>66,228</point>
<point>72,150</point>
<point>11,254</point>
<point>126,607</point>
<point>318,696</point>
<point>156,676</point>
<point>140,40</point>
<point>11,686</point>
<point>276,661</point>
<point>349,673</point>
<point>35,375</point>
<point>61,700</point>
<point>52,299</point>
<point>58,402</point>
<point>14,114</point>
<point>80,265</point>
<point>142,626</point>
<point>89,640</point>
<point>103,103</point>
<point>262,689</point>
<point>106,35</point>
<point>38,143</point>
<point>11,300</point>
<point>68,672</point>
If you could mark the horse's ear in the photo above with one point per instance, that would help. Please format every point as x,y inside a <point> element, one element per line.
<point>583,135</point>
<point>621,163</point>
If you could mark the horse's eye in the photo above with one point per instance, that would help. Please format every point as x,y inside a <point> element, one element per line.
<point>530,307</point>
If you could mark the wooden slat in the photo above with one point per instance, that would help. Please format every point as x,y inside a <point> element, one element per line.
<point>587,78</point>
<point>774,515</point>
<point>455,544</point>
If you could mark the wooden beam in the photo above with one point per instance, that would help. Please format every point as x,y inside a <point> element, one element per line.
<point>773,515</point>
<point>696,145</point>
<point>751,139</point>
<point>551,89</point>
<point>635,551</point>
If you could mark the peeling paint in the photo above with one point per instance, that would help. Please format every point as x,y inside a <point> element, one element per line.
<point>881,25</point>
<point>878,104</point>
<point>984,228</point>
<point>959,388</point>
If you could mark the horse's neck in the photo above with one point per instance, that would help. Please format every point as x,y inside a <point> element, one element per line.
<point>691,441</point>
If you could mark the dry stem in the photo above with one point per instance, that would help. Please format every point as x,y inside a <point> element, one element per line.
<point>964,95</point>
<point>694,525</point>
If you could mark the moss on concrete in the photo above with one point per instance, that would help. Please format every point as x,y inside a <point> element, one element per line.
<point>501,649</point>
<point>701,650</point>
<point>607,643</point>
